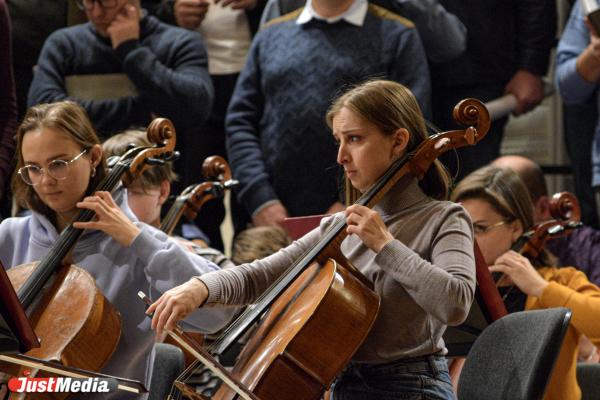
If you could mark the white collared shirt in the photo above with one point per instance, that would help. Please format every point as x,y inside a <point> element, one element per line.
<point>355,15</point>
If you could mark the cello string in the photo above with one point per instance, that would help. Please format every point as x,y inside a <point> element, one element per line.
<point>241,324</point>
<point>235,329</point>
<point>263,301</point>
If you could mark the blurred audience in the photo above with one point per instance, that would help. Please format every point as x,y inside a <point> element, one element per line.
<point>8,110</point>
<point>444,36</point>
<point>278,144</point>
<point>508,51</point>
<point>125,68</point>
<point>577,77</point>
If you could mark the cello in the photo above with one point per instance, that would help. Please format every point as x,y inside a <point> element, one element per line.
<point>68,312</point>
<point>297,352</point>
<point>217,174</point>
<point>564,208</point>
<point>566,213</point>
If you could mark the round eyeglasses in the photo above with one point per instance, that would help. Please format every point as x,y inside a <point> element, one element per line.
<point>57,169</point>
<point>89,4</point>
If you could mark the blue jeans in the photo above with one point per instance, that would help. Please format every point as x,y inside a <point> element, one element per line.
<point>412,378</point>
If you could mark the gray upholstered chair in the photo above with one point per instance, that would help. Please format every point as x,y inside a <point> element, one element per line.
<point>167,364</point>
<point>514,356</point>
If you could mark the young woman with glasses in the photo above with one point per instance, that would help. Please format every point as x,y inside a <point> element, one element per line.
<point>501,210</point>
<point>59,163</point>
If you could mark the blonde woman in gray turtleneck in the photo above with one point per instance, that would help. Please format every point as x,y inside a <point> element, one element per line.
<point>416,249</point>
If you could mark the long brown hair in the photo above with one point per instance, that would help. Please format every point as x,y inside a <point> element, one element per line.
<point>69,118</point>
<point>389,106</point>
<point>504,190</point>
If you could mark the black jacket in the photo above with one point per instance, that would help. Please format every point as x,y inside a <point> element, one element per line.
<point>503,36</point>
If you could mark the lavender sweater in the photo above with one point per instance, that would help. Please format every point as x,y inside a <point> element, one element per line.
<point>153,263</point>
<point>426,277</point>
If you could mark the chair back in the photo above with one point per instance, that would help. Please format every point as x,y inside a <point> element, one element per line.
<point>513,358</point>
<point>588,378</point>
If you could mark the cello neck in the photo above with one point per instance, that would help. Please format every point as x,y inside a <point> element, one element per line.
<point>469,112</point>
<point>328,246</point>
<point>172,218</point>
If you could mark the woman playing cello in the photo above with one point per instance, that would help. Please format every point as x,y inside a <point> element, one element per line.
<point>501,209</point>
<point>60,162</point>
<point>416,249</point>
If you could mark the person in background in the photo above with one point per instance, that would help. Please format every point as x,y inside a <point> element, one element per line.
<point>444,36</point>
<point>125,68</point>
<point>578,74</point>
<point>227,28</point>
<point>296,65</point>
<point>582,247</point>
<point>147,193</point>
<point>416,249</point>
<point>500,206</point>
<point>257,243</point>
<point>508,52</point>
<point>8,110</point>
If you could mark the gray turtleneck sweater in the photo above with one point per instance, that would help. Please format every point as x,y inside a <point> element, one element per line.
<point>426,277</point>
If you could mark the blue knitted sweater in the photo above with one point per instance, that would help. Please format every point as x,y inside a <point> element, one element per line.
<point>278,143</point>
<point>168,66</point>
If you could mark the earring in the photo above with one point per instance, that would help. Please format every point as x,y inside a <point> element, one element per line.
<point>93,172</point>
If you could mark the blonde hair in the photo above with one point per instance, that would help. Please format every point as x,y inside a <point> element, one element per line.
<point>390,106</point>
<point>152,177</point>
<point>69,118</point>
<point>258,242</point>
<point>503,189</point>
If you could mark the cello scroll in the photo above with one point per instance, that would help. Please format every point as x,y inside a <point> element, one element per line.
<point>471,113</point>
<point>161,132</point>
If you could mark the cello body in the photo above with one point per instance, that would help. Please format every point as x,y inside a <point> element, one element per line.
<point>90,313</point>
<point>65,337</point>
<point>305,339</point>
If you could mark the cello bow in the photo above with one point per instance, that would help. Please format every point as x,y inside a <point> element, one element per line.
<point>318,264</point>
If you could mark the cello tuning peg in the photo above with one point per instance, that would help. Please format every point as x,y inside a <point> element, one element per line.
<point>172,156</point>
<point>155,161</point>
<point>112,161</point>
<point>556,229</point>
<point>230,183</point>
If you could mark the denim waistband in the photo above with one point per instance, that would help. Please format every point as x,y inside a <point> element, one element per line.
<point>431,363</point>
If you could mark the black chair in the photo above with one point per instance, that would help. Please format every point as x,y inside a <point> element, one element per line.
<point>588,378</point>
<point>167,364</point>
<point>514,356</point>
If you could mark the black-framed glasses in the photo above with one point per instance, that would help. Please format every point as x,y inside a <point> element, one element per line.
<point>57,169</point>
<point>89,4</point>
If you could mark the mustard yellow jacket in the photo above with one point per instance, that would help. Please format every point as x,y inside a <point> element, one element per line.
<point>569,288</point>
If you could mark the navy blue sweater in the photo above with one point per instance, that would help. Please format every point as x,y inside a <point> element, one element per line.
<point>278,143</point>
<point>167,65</point>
